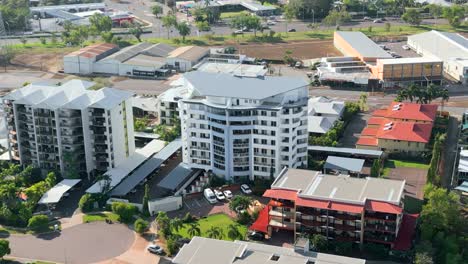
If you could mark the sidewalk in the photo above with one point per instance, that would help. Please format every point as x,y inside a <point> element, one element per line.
<point>136,254</point>
<point>76,219</point>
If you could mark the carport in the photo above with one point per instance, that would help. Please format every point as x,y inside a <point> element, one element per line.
<point>177,177</point>
<point>56,193</point>
<point>343,165</point>
<point>146,169</point>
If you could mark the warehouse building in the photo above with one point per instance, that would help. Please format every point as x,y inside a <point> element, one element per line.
<point>184,58</point>
<point>82,61</point>
<point>451,48</point>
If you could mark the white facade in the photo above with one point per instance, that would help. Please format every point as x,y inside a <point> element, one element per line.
<point>243,128</point>
<point>451,48</point>
<point>69,128</point>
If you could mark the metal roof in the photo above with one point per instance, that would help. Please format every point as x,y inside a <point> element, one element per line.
<point>68,7</point>
<point>463,187</point>
<point>351,151</point>
<point>344,164</point>
<point>55,193</point>
<point>208,84</point>
<point>363,45</point>
<point>176,177</point>
<point>255,7</point>
<point>128,52</point>
<point>146,169</point>
<point>63,15</point>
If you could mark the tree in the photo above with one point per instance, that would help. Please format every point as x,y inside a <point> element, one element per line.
<point>453,14</point>
<point>288,14</point>
<point>184,30</point>
<point>388,26</point>
<point>141,226</point>
<point>38,222</point>
<point>214,232</point>
<point>100,23</point>
<point>375,169</point>
<point>124,211</point>
<point>233,232</point>
<point>337,18</point>
<point>309,9</point>
<point>7,53</point>
<point>86,203</point>
<point>363,102</point>
<point>4,248</point>
<point>193,230</point>
<point>412,16</point>
<point>136,31</point>
<point>203,25</point>
<point>107,37</point>
<point>240,202</point>
<point>172,246</point>
<point>287,58</point>
<point>319,242</point>
<point>198,14</point>
<point>146,200</point>
<point>435,10</point>
<point>51,179</point>
<point>169,21</point>
<point>163,222</point>
<point>176,224</point>
<point>156,10</point>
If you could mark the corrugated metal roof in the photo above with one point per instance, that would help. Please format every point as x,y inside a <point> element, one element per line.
<point>352,151</point>
<point>364,45</point>
<point>347,164</point>
<point>208,84</point>
<point>55,193</point>
<point>177,176</point>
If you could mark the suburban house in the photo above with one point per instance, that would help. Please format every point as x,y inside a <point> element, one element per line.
<point>401,127</point>
<point>322,114</point>
<point>341,208</point>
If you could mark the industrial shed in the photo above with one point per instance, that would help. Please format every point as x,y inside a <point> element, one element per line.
<point>184,58</point>
<point>83,61</point>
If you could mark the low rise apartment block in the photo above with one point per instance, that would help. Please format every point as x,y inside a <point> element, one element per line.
<point>69,128</point>
<point>243,127</point>
<point>401,127</point>
<point>341,208</point>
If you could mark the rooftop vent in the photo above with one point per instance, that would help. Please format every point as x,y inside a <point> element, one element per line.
<point>275,257</point>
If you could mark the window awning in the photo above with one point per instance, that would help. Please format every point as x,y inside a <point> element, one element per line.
<point>312,203</point>
<point>55,193</point>
<point>383,207</point>
<point>281,194</point>
<point>349,208</point>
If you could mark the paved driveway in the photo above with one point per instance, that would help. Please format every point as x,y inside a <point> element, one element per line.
<point>85,243</point>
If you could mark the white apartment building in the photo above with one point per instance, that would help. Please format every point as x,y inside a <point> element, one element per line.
<point>69,128</point>
<point>243,127</point>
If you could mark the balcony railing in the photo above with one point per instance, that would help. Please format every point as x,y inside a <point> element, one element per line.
<point>380,216</point>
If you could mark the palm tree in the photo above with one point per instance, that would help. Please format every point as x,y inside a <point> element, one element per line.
<point>233,233</point>
<point>444,95</point>
<point>162,220</point>
<point>214,232</point>
<point>176,224</point>
<point>194,230</point>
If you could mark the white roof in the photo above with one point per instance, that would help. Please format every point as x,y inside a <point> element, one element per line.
<point>149,104</point>
<point>427,59</point>
<point>74,94</point>
<point>463,163</point>
<point>320,124</point>
<point>175,93</point>
<point>233,68</point>
<point>55,193</point>
<point>324,105</point>
<point>118,173</point>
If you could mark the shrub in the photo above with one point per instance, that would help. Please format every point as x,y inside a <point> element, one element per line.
<point>244,218</point>
<point>38,222</point>
<point>43,40</point>
<point>125,211</point>
<point>4,248</point>
<point>86,203</point>
<point>141,226</point>
<point>188,218</point>
<point>172,246</point>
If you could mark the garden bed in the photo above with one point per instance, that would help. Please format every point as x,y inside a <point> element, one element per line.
<point>219,220</point>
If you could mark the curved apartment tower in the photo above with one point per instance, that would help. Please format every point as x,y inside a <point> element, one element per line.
<point>243,127</point>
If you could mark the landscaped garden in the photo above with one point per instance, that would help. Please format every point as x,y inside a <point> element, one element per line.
<point>218,220</point>
<point>102,216</point>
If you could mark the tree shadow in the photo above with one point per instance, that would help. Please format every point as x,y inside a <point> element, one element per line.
<point>4,234</point>
<point>49,236</point>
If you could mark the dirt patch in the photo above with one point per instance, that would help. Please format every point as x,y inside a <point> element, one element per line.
<point>300,50</point>
<point>44,61</point>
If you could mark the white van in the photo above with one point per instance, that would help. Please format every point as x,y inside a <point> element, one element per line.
<point>210,196</point>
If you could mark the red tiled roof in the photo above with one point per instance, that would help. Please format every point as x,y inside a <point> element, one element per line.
<point>383,207</point>
<point>375,120</point>
<point>350,208</point>
<point>379,113</point>
<point>369,131</point>
<point>312,203</point>
<point>261,224</point>
<point>281,194</point>
<point>412,111</point>
<point>367,141</point>
<point>406,232</point>
<point>406,131</point>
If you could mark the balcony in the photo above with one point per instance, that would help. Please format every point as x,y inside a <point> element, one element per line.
<point>379,237</point>
<point>380,228</point>
<point>344,227</point>
<point>311,223</point>
<point>282,225</point>
<point>380,216</point>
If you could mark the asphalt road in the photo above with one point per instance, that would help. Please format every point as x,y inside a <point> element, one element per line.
<point>85,243</point>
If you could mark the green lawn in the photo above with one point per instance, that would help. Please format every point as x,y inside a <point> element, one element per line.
<point>391,164</point>
<point>100,217</point>
<point>225,15</point>
<point>220,220</point>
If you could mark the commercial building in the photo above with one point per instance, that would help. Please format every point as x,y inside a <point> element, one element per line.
<point>243,127</point>
<point>401,127</point>
<point>451,48</point>
<point>69,128</point>
<point>143,59</point>
<point>322,114</point>
<point>43,11</point>
<point>367,64</point>
<point>341,208</point>
<point>202,250</point>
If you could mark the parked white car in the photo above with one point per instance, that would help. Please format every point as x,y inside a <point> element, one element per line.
<point>405,47</point>
<point>219,195</point>
<point>228,194</point>
<point>246,189</point>
<point>210,196</point>
<point>271,23</point>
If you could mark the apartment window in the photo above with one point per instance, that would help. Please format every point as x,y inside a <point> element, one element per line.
<point>193,134</point>
<point>273,114</point>
<point>263,113</point>
<point>273,142</point>
<point>264,123</point>
<point>273,133</point>
<point>273,123</point>
<point>264,141</point>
